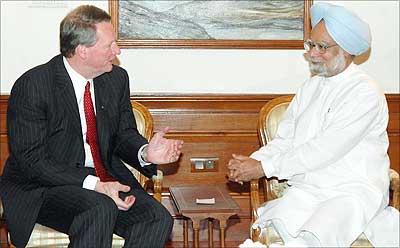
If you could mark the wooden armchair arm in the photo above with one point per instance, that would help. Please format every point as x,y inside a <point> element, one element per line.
<point>395,187</point>
<point>3,229</point>
<point>254,199</point>
<point>268,194</point>
<point>157,184</point>
<point>1,210</point>
<point>256,234</point>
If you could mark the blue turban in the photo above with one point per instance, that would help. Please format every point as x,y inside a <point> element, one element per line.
<point>348,30</point>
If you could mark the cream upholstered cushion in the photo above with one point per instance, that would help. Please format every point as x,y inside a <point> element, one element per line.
<point>46,237</point>
<point>43,237</point>
<point>140,121</point>
<point>278,188</point>
<point>361,241</point>
<point>272,122</point>
<point>274,238</point>
<point>273,119</point>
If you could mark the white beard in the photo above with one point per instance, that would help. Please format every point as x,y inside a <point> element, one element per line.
<point>323,70</point>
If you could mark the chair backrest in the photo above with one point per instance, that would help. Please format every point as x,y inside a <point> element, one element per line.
<point>144,120</point>
<point>144,124</point>
<point>270,116</point>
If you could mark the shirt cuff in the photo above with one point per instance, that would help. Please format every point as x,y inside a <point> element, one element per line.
<point>268,169</point>
<point>141,160</point>
<point>266,163</point>
<point>90,182</point>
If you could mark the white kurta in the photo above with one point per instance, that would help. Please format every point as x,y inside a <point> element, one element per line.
<point>332,147</point>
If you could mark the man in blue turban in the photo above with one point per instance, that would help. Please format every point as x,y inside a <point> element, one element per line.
<point>331,145</point>
<point>350,32</point>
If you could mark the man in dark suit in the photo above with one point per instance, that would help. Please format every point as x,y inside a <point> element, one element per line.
<point>65,171</point>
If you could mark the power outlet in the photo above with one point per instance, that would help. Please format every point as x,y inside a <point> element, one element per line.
<point>204,164</point>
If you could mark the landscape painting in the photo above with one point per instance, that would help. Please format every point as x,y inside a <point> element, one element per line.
<point>211,23</point>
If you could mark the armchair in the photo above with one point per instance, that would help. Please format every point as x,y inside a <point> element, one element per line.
<point>46,237</point>
<point>269,117</point>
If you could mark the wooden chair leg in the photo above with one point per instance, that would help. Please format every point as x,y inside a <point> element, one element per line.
<point>4,242</point>
<point>157,183</point>
<point>395,187</point>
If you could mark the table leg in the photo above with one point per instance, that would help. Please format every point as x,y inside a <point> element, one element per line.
<point>210,233</point>
<point>196,227</point>
<point>222,226</point>
<point>185,233</point>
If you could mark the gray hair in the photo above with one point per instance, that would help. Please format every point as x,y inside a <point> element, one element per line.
<point>78,28</point>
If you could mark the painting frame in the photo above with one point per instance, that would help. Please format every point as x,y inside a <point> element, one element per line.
<point>210,43</point>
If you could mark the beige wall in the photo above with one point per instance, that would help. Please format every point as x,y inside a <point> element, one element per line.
<point>29,36</point>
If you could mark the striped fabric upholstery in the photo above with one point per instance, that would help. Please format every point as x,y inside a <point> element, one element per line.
<point>46,237</point>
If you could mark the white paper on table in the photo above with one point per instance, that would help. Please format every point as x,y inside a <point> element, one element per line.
<point>205,201</point>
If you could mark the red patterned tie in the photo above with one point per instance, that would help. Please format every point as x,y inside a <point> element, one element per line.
<point>91,136</point>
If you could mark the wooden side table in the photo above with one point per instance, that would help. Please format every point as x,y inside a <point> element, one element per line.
<point>185,197</point>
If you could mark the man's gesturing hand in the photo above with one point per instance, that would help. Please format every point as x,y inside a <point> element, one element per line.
<point>161,150</point>
<point>112,189</point>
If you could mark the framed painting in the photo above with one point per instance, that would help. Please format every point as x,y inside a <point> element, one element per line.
<point>235,24</point>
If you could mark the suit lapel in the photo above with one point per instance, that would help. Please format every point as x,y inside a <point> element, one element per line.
<point>102,98</point>
<point>67,94</point>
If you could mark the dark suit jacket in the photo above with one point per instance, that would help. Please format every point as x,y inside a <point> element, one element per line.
<point>46,145</point>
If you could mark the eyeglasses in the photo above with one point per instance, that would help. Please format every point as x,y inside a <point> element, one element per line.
<point>319,46</point>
